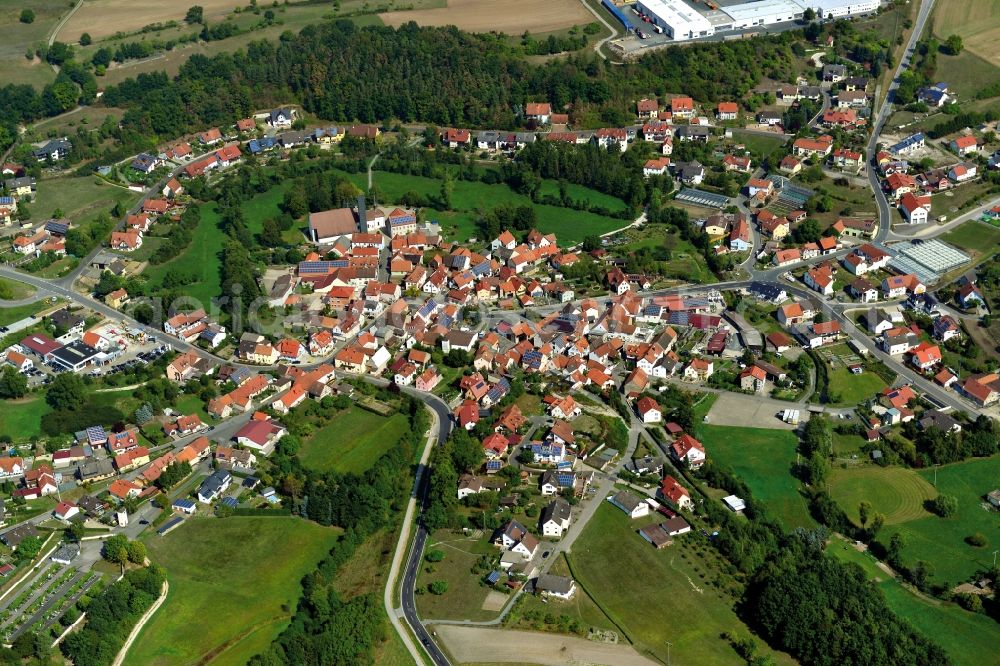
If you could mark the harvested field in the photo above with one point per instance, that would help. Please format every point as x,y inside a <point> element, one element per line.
<point>103,18</point>
<point>479,645</point>
<point>975,21</point>
<point>509,16</point>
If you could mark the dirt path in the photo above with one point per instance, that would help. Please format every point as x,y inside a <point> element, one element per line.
<point>120,657</point>
<point>474,644</point>
<point>510,16</point>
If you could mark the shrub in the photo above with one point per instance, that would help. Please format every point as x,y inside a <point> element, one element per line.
<point>27,16</point>
<point>978,540</point>
<point>434,556</point>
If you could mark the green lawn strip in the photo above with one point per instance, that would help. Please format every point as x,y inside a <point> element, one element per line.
<point>895,492</point>
<point>13,290</point>
<point>465,595</point>
<point>763,459</point>
<point>264,206</point>
<point>229,579</point>
<point>581,194</point>
<point>758,143</point>
<point>352,441</point>
<point>965,73</point>
<point>22,419</point>
<point>616,566</point>
<point>201,260</point>
<point>19,312</point>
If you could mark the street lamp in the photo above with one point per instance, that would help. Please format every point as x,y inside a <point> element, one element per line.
<point>669,645</point>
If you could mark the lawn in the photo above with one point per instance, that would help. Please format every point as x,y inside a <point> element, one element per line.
<point>895,492</point>
<point>352,441</point>
<point>763,459</point>
<point>233,586</point>
<point>975,22</point>
<point>580,193</point>
<point>759,144</point>
<point>848,389</point>
<point>22,419</point>
<point>941,541</point>
<point>470,197</point>
<point>967,73</point>
<point>202,260</point>
<point>192,404</point>
<point>12,290</point>
<point>581,607</point>
<point>973,235</point>
<point>464,597</point>
<point>651,613</point>
<point>19,312</point>
<point>964,636</point>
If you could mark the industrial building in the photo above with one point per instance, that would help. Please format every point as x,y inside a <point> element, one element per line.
<point>764,12</point>
<point>681,21</point>
<point>831,9</point>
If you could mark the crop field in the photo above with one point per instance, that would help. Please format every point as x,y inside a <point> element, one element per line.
<point>512,16</point>
<point>238,598</point>
<point>763,459</point>
<point>102,18</point>
<point>895,492</point>
<point>683,572</point>
<point>352,441</point>
<point>974,21</point>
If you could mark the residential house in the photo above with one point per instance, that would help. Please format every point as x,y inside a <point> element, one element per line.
<point>633,506</point>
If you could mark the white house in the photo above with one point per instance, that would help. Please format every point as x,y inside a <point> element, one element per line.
<point>632,505</point>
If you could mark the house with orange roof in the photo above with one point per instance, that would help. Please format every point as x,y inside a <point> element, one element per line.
<point>688,449</point>
<point>124,489</point>
<point>195,452</point>
<point>698,369</point>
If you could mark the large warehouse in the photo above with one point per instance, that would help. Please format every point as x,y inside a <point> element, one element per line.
<point>827,9</point>
<point>682,21</point>
<point>679,20</point>
<point>764,12</point>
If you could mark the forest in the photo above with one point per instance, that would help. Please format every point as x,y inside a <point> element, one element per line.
<point>438,75</point>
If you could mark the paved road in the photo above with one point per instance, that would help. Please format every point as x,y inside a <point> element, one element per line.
<point>882,115</point>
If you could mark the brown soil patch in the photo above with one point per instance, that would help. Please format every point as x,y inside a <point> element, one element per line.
<point>103,18</point>
<point>510,16</point>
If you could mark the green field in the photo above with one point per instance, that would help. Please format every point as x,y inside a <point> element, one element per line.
<point>763,459</point>
<point>471,197</point>
<point>895,492</point>
<point>851,389</point>
<point>18,37</point>
<point>465,595</point>
<point>202,260</point>
<point>352,441</point>
<point>966,73</point>
<point>192,404</point>
<point>22,419</point>
<point>941,541</point>
<point>615,566</point>
<point>80,198</point>
<point>965,636</point>
<point>233,586</point>
<point>973,235</point>
<point>759,144</point>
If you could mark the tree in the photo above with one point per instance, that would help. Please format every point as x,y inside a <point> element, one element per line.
<point>115,549</point>
<point>944,505</point>
<point>85,39</point>
<point>195,14</point>
<point>12,383</point>
<point>864,511</point>
<point>66,392</point>
<point>270,236</point>
<point>953,45</point>
<point>809,14</point>
<point>438,587</point>
<point>76,530</point>
<point>136,551</point>
<point>808,231</point>
<point>27,16</point>
<point>28,548</point>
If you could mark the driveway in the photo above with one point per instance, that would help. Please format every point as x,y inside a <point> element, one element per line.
<point>481,645</point>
